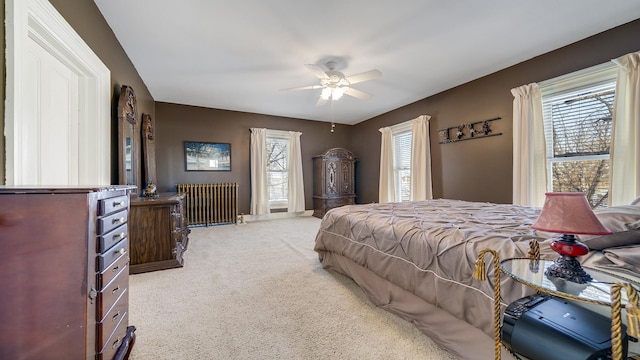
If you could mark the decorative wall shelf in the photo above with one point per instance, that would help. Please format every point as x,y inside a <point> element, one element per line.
<point>467,131</point>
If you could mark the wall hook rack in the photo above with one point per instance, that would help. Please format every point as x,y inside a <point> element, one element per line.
<point>467,131</point>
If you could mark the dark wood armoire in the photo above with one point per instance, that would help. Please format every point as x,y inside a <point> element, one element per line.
<point>333,180</point>
<point>64,273</point>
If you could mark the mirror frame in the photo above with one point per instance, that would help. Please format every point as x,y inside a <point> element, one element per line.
<point>148,149</point>
<point>128,129</point>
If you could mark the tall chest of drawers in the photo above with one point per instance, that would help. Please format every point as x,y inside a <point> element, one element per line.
<point>64,259</point>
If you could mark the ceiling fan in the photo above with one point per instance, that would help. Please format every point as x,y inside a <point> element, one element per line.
<point>334,84</point>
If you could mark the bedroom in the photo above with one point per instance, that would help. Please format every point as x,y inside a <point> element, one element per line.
<point>491,167</point>
<point>453,164</point>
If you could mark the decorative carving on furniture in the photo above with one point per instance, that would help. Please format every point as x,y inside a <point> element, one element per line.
<point>333,182</point>
<point>149,149</point>
<point>128,138</point>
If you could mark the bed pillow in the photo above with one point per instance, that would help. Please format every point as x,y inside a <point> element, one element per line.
<point>623,220</point>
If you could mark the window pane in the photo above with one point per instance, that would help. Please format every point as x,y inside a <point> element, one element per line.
<point>582,124</point>
<point>405,185</point>
<point>588,176</point>
<point>577,125</point>
<point>277,169</point>
<point>402,165</point>
<point>277,154</point>
<point>277,185</point>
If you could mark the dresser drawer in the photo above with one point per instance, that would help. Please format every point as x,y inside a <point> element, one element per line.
<point>106,241</point>
<point>107,206</point>
<point>115,341</point>
<point>110,222</point>
<point>108,257</point>
<point>111,333</point>
<point>115,292</point>
<point>105,277</point>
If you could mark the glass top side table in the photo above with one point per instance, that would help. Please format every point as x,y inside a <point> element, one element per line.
<point>532,273</point>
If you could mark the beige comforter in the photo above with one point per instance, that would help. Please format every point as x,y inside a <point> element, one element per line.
<point>429,248</point>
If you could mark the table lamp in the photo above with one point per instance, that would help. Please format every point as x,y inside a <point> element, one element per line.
<point>569,214</point>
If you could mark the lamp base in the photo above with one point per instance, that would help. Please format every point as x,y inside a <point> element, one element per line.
<point>568,268</point>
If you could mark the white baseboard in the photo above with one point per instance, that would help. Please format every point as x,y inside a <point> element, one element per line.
<point>273,216</point>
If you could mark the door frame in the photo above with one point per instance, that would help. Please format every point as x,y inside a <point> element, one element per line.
<point>39,21</point>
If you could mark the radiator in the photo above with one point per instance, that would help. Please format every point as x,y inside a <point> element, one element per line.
<point>209,204</point>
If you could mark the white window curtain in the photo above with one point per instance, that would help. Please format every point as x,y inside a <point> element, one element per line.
<point>625,135</point>
<point>529,158</point>
<point>296,183</point>
<point>421,187</point>
<point>421,184</point>
<point>259,197</point>
<point>387,187</point>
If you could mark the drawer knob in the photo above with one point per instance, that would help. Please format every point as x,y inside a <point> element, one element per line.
<point>119,203</point>
<point>121,236</point>
<point>93,293</point>
<point>116,316</point>
<point>115,343</point>
<point>118,220</point>
<point>121,251</point>
<point>115,290</point>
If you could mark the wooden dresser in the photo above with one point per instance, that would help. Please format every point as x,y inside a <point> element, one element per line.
<point>64,273</point>
<point>159,233</point>
<point>333,180</point>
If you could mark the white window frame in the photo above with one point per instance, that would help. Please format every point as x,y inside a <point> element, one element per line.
<point>556,88</point>
<point>396,130</point>
<point>281,135</point>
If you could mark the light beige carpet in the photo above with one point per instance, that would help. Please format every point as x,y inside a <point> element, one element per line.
<point>258,291</point>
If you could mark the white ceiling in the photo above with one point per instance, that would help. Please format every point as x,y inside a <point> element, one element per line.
<point>240,54</point>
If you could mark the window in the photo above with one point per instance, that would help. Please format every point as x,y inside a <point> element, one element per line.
<point>401,135</point>
<point>277,168</point>
<point>577,111</point>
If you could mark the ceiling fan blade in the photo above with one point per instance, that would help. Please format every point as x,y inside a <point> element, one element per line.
<point>368,75</point>
<point>357,94</point>
<point>310,87</point>
<point>317,70</point>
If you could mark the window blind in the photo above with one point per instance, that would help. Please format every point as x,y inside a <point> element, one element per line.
<point>402,164</point>
<point>579,123</point>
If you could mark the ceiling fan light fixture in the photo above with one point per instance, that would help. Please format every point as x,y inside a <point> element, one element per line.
<point>335,84</point>
<point>333,93</point>
<point>326,93</point>
<point>338,92</point>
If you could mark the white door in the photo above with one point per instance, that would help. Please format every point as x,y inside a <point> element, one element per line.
<point>58,112</point>
<point>50,108</point>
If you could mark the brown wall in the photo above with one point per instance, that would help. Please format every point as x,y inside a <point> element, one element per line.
<point>3,152</point>
<point>87,21</point>
<point>178,123</point>
<point>481,169</point>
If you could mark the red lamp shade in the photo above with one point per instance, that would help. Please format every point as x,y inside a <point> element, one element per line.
<point>569,213</point>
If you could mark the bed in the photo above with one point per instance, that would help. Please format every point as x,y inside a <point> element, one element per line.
<point>416,259</point>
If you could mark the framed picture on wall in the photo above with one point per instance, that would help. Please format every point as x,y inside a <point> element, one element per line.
<point>207,156</point>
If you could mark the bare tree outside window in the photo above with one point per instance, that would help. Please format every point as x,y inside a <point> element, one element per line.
<point>581,145</point>
<point>277,169</point>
